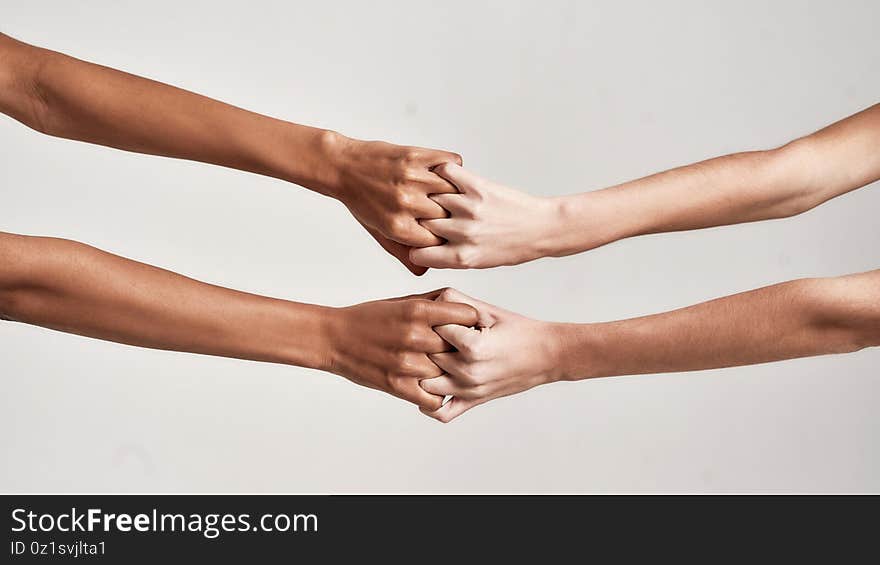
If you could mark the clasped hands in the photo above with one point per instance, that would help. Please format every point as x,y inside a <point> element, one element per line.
<point>428,211</point>
<point>442,344</point>
<point>431,212</point>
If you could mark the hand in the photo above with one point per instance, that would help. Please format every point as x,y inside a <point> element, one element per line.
<point>387,187</point>
<point>506,354</point>
<point>490,224</point>
<point>385,344</point>
<point>396,250</point>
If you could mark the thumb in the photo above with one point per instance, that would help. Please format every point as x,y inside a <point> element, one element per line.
<point>487,314</point>
<point>464,180</point>
<point>435,157</point>
<point>430,295</point>
<point>397,250</point>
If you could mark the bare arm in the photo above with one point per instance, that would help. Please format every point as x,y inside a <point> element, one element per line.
<point>492,224</point>
<point>385,186</point>
<point>744,187</point>
<point>75,288</point>
<point>511,353</point>
<point>801,318</point>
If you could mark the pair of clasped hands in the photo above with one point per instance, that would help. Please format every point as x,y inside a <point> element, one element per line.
<point>430,212</point>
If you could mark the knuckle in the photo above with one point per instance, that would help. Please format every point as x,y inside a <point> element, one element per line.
<point>411,338</point>
<point>416,311</point>
<point>446,294</point>
<point>432,405</point>
<point>474,376</point>
<point>464,257</point>
<point>479,351</point>
<point>475,208</point>
<point>404,199</point>
<point>408,176</point>
<point>398,226</point>
<point>393,381</point>
<point>470,232</point>
<point>405,364</point>
<point>410,156</point>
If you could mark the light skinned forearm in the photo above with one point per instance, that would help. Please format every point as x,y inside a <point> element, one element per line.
<point>66,97</point>
<point>75,288</point>
<point>795,319</point>
<point>738,188</point>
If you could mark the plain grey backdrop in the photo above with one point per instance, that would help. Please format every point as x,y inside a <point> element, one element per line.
<point>551,97</point>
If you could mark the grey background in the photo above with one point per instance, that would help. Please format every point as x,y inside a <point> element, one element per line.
<point>552,97</point>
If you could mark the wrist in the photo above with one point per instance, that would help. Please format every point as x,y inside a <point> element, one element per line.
<point>578,224</point>
<point>576,351</point>
<point>558,340</point>
<point>303,155</point>
<point>546,234</point>
<point>302,337</point>
<point>333,149</point>
<point>589,220</point>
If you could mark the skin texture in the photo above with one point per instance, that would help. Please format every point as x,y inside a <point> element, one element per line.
<point>74,288</point>
<point>384,186</point>
<point>511,353</point>
<point>504,354</point>
<point>490,224</point>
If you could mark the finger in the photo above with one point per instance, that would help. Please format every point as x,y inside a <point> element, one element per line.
<point>485,309</point>
<point>453,364</point>
<point>425,208</point>
<point>431,295</point>
<point>442,313</point>
<point>431,183</point>
<point>431,342</point>
<point>451,410</point>
<point>415,235</point>
<point>461,337</point>
<point>434,157</point>
<point>448,228</point>
<point>456,204</point>
<point>487,315</point>
<point>423,368</point>
<point>442,385</point>
<point>437,256</point>
<point>397,250</point>
<point>463,179</point>
<point>410,390</point>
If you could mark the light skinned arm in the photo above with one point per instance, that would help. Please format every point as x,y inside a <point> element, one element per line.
<point>509,353</point>
<point>74,288</point>
<point>385,186</point>
<point>491,224</point>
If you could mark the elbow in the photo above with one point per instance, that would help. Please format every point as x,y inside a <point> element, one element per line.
<point>22,95</point>
<point>28,266</point>
<point>16,274</point>
<point>789,169</point>
<point>13,288</point>
<point>844,311</point>
<point>868,335</point>
<point>38,109</point>
<point>9,305</point>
